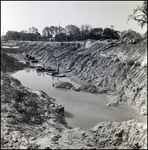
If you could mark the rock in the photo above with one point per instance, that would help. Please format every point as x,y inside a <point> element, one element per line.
<point>23,147</point>
<point>89,89</point>
<point>112,104</point>
<point>65,85</point>
<point>52,105</point>
<point>32,138</point>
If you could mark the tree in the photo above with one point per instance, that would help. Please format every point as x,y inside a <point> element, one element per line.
<point>71,29</point>
<point>3,38</point>
<point>56,30</point>
<point>72,32</point>
<point>33,30</point>
<point>52,30</point>
<point>60,37</point>
<point>107,32</point>
<point>96,33</point>
<point>61,30</point>
<point>85,31</point>
<point>132,35</point>
<point>24,31</point>
<point>115,34</point>
<point>12,35</point>
<point>38,36</point>
<point>86,28</point>
<point>46,33</point>
<point>142,18</point>
<point>9,35</point>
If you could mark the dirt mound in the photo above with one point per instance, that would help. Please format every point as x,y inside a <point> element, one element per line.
<point>65,85</point>
<point>25,114</point>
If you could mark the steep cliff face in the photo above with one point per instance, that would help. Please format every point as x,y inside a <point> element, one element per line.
<point>118,67</point>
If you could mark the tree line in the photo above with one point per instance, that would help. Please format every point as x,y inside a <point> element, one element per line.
<point>73,33</point>
<point>69,33</point>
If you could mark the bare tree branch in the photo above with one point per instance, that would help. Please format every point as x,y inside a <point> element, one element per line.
<point>141,19</point>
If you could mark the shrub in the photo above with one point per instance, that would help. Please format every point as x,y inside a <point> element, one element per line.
<point>132,35</point>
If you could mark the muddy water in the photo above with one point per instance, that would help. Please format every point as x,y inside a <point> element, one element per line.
<point>82,109</point>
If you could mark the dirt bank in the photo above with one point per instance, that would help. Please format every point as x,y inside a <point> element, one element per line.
<point>9,63</point>
<point>120,68</point>
<point>31,119</point>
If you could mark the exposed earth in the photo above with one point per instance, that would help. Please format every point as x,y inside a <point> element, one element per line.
<point>31,120</point>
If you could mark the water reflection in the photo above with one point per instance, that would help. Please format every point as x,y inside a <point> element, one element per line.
<point>52,77</point>
<point>56,81</point>
<point>55,78</point>
<point>68,114</point>
<point>82,109</point>
<point>27,70</point>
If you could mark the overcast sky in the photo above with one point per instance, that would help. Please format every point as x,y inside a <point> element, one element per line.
<point>21,15</point>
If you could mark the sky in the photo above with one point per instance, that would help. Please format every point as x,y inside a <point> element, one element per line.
<point>21,15</point>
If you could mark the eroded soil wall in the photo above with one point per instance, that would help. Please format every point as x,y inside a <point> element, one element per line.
<point>31,120</point>
<point>119,69</point>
